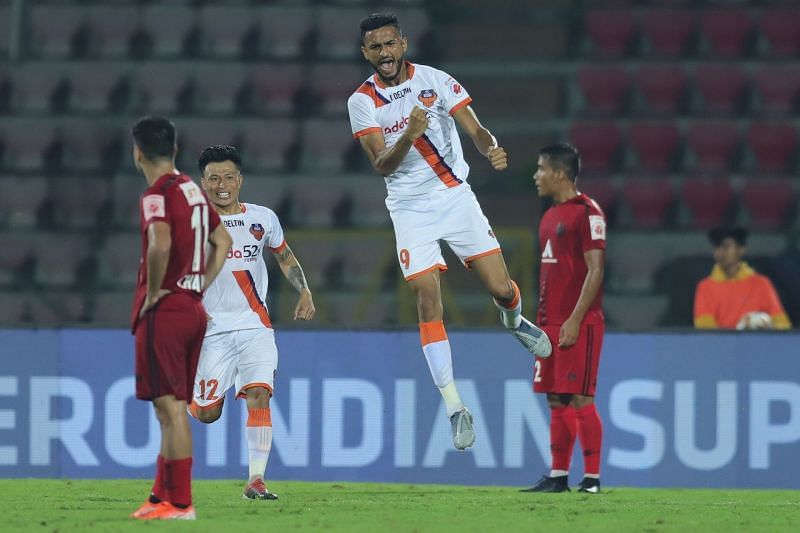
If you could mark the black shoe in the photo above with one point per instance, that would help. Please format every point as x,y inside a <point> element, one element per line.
<point>590,485</point>
<point>550,484</point>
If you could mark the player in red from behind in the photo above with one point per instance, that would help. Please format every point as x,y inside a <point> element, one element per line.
<point>168,318</point>
<point>572,236</point>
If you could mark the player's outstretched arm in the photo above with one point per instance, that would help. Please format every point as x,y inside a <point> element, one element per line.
<point>159,242</point>
<point>290,266</point>
<point>220,242</point>
<point>386,160</point>
<point>568,334</point>
<point>482,138</point>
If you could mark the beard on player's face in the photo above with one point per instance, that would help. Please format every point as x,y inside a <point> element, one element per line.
<point>388,67</point>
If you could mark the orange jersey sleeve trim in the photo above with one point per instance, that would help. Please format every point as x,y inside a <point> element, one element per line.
<point>465,102</point>
<point>366,131</point>
<point>281,247</point>
<point>432,332</point>
<point>437,266</point>
<point>246,284</point>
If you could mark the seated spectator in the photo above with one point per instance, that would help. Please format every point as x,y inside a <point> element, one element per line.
<point>734,296</point>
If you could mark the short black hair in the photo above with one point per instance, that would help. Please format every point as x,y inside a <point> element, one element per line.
<point>738,234</point>
<point>155,137</point>
<point>564,156</point>
<point>217,154</point>
<point>373,21</point>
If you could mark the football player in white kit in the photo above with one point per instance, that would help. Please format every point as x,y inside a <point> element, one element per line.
<point>239,346</point>
<point>405,118</point>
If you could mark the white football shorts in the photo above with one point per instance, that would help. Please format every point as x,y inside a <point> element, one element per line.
<point>451,215</point>
<point>244,358</point>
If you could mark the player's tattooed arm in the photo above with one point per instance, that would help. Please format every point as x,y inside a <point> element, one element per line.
<point>304,310</point>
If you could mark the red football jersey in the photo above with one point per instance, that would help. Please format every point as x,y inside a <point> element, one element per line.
<point>178,201</point>
<point>566,232</point>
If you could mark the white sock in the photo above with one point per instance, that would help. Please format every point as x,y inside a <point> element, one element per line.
<point>452,400</point>
<point>558,473</point>
<point>259,444</point>
<point>511,318</point>
<point>440,362</point>
<point>436,348</point>
<point>593,476</point>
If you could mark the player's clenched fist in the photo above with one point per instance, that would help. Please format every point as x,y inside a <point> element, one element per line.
<point>498,158</point>
<point>417,123</point>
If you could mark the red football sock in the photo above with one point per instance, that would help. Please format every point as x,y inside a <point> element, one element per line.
<point>159,491</point>
<point>590,432</point>
<point>562,436</point>
<point>179,481</point>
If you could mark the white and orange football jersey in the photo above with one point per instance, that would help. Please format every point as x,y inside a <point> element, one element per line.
<point>436,160</point>
<point>237,297</point>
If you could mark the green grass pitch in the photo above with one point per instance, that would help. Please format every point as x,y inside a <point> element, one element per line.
<point>104,505</point>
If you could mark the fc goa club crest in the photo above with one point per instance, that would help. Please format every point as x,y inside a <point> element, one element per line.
<point>257,230</point>
<point>427,97</point>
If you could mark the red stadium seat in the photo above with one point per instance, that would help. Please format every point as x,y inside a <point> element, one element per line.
<point>33,85</point>
<point>112,28</point>
<point>55,309</point>
<point>283,28</point>
<point>707,201</point>
<point>78,200</point>
<point>669,32</point>
<point>714,144</point>
<point>274,86</point>
<point>26,141</point>
<point>17,248</point>
<point>610,31</point>
<point>160,83</point>
<point>196,134</point>
<point>336,36</point>
<point>721,87</point>
<point>168,25</point>
<point>648,201</point>
<point>49,40</point>
<point>325,143</point>
<point>119,260</point>
<point>313,201</point>
<point>656,144</point>
<point>768,202</point>
<point>778,89</point>
<point>605,89</point>
<point>224,27</point>
<point>773,145</point>
<point>599,144</point>
<point>112,308</point>
<point>19,205</point>
<point>779,28</point>
<point>663,87</point>
<point>217,86</point>
<point>265,143</point>
<point>601,190</point>
<point>333,83</point>
<point>369,209</point>
<point>58,256</point>
<point>91,86</point>
<point>727,31</point>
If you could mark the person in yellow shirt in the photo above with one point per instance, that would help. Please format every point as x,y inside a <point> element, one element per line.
<point>735,296</point>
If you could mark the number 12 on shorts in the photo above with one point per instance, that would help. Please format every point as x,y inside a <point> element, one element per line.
<point>212,385</point>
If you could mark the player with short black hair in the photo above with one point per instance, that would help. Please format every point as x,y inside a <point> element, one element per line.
<point>734,295</point>
<point>239,346</point>
<point>183,249</point>
<point>572,238</point>
<point>405,118</point>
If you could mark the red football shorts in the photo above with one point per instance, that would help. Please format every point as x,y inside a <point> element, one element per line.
<point>168,341</point>
<point>571,370</point>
